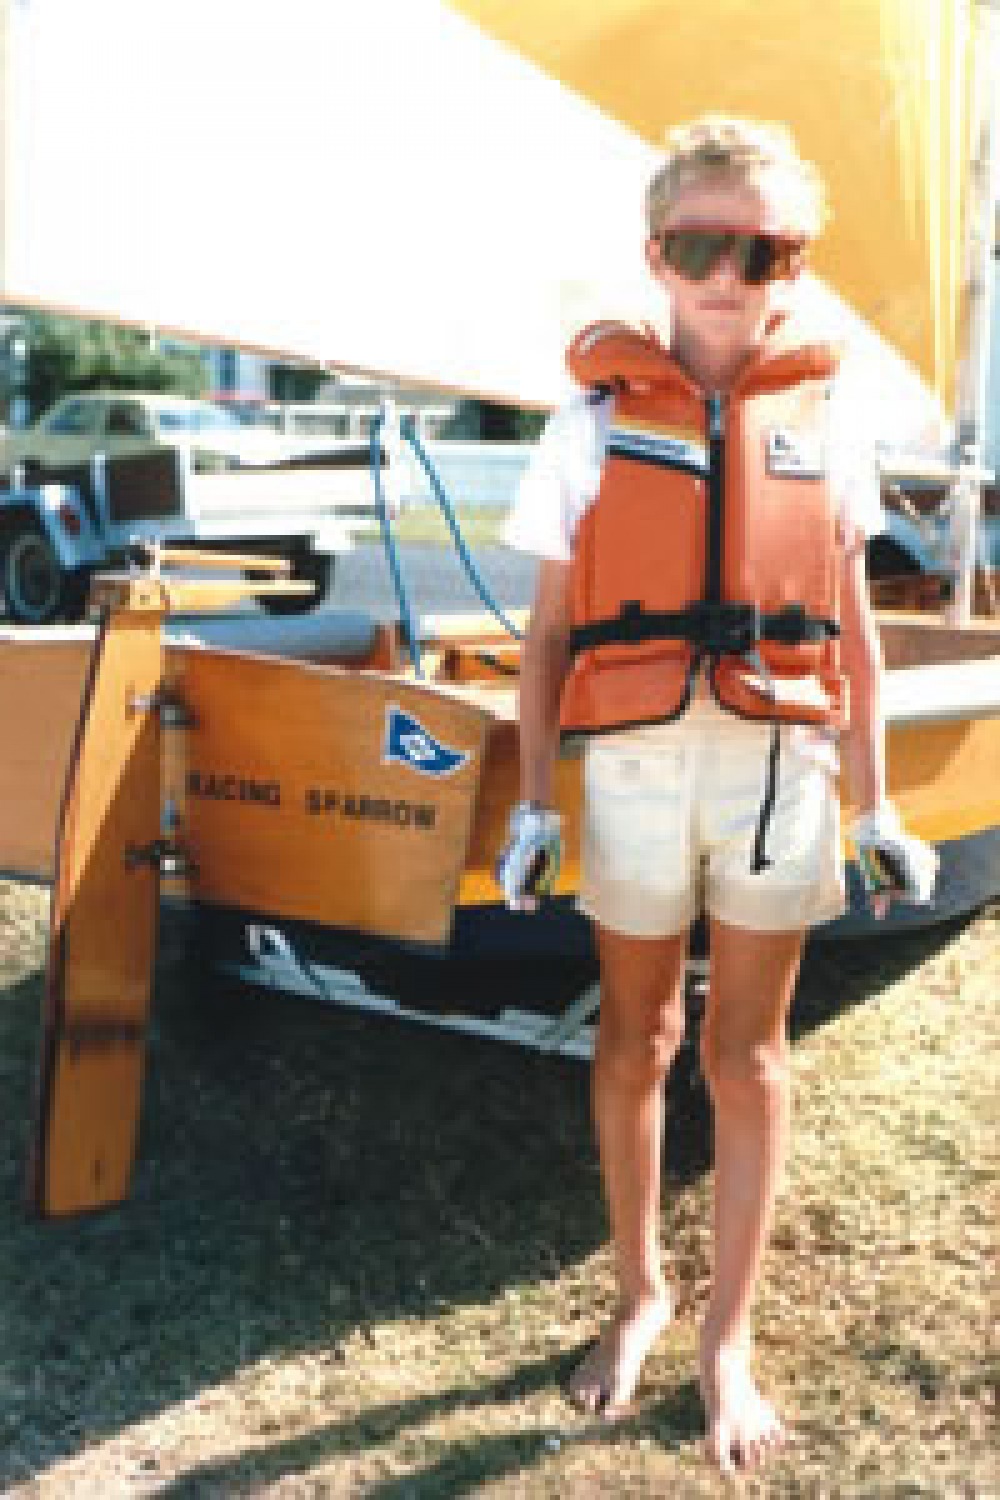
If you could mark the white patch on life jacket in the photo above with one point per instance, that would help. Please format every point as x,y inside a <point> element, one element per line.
<point>659,447</point>
<point>794,455</point>
<point>805,692</point>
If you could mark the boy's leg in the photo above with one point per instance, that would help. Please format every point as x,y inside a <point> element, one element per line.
<point>640,1028</point>
<point>745,1059</point>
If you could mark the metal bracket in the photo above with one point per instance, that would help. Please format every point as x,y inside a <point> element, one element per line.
<point>167,857</point>
<point>173,711</point>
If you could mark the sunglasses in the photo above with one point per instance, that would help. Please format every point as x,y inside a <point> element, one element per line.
<point>759,258</point>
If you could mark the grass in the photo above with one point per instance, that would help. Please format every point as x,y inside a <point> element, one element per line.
<point>480,526</point>
<point>361,1259</point>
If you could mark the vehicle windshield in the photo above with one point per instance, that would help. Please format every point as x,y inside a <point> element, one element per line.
<point>200,417</point>
<point>71,417</point>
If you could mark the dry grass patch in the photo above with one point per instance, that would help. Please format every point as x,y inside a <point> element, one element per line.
<point>361,1259</point>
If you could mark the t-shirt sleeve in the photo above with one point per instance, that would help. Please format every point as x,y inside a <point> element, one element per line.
<point>853,468</point>
<point>559,483</point>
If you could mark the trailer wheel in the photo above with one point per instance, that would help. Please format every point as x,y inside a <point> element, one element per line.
<point>886,558</point>
<point>36,587</point>
<point>307,567</point>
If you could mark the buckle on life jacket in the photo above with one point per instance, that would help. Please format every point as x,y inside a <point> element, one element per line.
<point>790,626</point>
<point>738,629</point>
<point>726,629</point>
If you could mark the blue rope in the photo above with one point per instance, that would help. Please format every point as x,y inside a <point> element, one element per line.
<point>475,577</point>
<point>406,614</point>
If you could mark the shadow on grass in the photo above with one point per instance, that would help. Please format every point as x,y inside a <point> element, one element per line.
<point>837,976</point>
<point>672,1421</point>
<point>303,1174</point>
<point>300,1174</point>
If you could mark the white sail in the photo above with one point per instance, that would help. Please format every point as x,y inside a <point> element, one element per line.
<point>375,186</point>
<point>387,187</point>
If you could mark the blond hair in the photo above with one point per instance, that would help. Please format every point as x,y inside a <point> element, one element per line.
<point>752,151</point>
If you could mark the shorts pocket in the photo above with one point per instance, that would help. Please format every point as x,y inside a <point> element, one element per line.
<point>636,816</point>
<point>802,881</point>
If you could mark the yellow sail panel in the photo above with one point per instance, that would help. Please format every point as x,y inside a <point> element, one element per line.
<point>879,93</point>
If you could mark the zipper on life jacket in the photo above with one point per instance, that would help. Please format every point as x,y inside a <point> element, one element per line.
<point>715,411</point>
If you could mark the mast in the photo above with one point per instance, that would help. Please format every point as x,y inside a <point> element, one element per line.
<point>973,370</point>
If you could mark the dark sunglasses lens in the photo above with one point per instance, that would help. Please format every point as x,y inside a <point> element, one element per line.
<point>694,254</point>
<point>759,258</point>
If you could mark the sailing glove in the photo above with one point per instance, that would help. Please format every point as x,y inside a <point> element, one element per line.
<point>530,861</point>
<point>893,862</point>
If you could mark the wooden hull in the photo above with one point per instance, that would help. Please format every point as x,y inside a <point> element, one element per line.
<point>290,800</point>
<point>299,788</point>
<point>306,809</point>
<point>282,797</point>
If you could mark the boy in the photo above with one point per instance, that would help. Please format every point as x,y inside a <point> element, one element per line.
<point>701,618</point>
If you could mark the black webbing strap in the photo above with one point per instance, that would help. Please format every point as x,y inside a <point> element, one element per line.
<point>716,629</point>
<point>715,511</point>
<point>760,859</point>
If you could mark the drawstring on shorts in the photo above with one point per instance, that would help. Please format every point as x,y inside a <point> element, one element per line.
<point>760,859</point>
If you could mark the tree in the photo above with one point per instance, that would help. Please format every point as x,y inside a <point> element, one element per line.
<point>295,382</point>
<point>68,354</point>
<point>491,422</point>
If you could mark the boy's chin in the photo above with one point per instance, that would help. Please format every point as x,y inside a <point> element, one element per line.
<point>730,331</point>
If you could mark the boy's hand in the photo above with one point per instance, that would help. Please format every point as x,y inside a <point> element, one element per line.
<point>894,864</point>
<point>529,864</point>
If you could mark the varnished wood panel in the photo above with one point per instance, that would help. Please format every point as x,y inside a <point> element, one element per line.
<point>103,931</point>
<point>91,1140</point>
<point>42,679</point>
<point>945,778</point>
<point>291,807</point>
<point>913,640</point>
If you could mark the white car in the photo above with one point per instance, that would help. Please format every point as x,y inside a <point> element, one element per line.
<point>121,422</point>
<point>102,470</point>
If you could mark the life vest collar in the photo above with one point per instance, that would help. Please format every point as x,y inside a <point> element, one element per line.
<point>616,356</point>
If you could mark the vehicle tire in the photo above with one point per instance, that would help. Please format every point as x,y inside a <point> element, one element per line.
<point>36,587</point>
<point>309,567</point>
<point>887,559</point>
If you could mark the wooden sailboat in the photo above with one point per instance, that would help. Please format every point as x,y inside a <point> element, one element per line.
<point>308,788</point>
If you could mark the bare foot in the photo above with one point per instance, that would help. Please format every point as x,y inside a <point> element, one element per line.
<point>742,1427</point>
<point>606,1379</point>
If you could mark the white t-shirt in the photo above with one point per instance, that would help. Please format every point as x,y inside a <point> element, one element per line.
<point>563,476</point>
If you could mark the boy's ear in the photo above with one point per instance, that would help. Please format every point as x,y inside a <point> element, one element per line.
<point>796,266</point>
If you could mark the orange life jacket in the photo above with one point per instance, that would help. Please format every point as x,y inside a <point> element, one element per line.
<point>713,538</point>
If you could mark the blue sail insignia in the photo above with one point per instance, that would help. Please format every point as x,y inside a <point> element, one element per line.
<point>408,743</point>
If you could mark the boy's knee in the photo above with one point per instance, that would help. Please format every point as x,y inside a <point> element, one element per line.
<point>642,1054</point>
<point>754,1076</point>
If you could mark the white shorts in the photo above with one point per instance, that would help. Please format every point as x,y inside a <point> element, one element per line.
<point>671,820</point>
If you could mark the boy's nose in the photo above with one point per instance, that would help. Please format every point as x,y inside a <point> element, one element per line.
<point>725,271</point>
